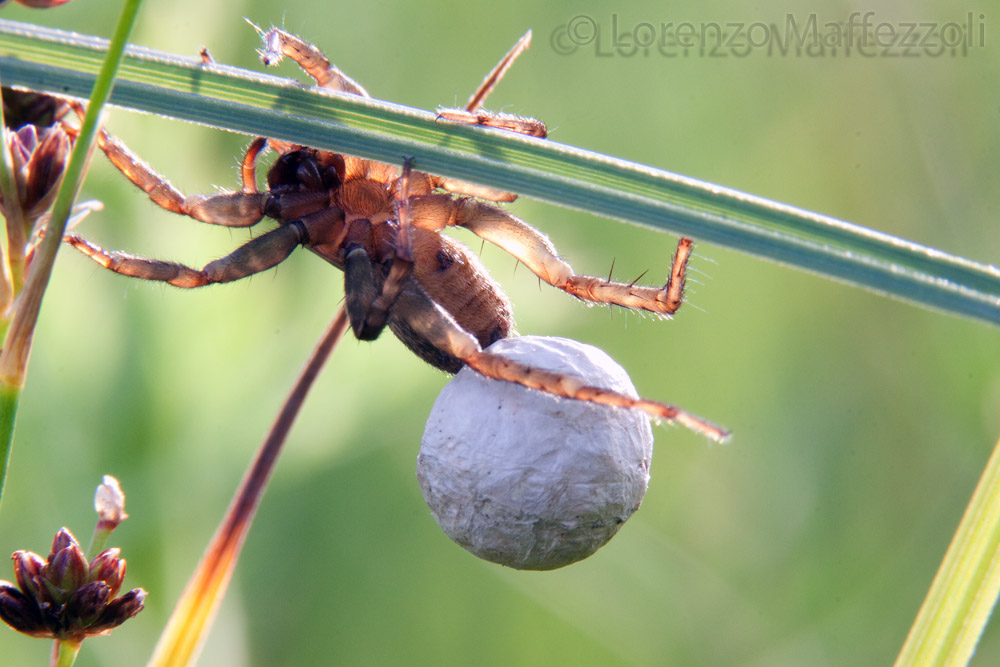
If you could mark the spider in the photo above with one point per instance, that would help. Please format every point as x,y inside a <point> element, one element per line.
<point>381,226</point>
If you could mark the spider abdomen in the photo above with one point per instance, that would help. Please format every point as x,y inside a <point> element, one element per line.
<point>453,277</point>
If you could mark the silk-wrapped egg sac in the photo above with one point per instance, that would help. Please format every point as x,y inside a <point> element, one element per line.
<point>529,480</point>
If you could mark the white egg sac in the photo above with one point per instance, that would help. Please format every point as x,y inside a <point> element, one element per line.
<point>529,480</point>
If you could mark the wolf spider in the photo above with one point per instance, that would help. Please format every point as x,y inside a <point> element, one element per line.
<point>381,226</point>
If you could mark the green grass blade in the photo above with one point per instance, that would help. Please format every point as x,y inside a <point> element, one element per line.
<point>964,592</point>
<point>256,104</point>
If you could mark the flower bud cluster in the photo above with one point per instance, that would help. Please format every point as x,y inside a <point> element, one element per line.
<point>65,597</point>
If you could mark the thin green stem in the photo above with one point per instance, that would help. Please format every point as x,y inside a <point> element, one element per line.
<point>17,341</point>
<point>98,540</point>
<point>64,653</point>
<point>9,398</point>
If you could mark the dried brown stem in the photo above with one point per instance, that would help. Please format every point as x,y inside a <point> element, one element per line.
<point>194,612</point>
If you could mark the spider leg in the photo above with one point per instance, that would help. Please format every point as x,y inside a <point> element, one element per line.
<point>426,320</point>
<point>278,44</point>
<point>493,78</point>
<point>519,124</point>
<point>474,114</point>
<point>248,167</point>
<point>502,121</point>
<point>535,251</point>
<point>234,209</point>
<point>367,306</point>
<point>259,254</point>
<point>468,189</point>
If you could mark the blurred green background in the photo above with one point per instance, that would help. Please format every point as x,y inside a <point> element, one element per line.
<point>860,424</point>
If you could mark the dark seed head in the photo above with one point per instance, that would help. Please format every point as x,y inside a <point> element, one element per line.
<point>65,597</point>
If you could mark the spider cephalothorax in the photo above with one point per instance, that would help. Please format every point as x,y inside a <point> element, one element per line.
<point>359,231</point>
<point>381,226</point>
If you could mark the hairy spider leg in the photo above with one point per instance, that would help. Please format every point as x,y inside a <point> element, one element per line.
<point>497,119</point>
<point>235,209</point>
<point>474,114</point>
<point>248,166</point>
<point>259,254</point>
<point>493,78</point>
<point>278,44</point>
<point>535,251</point>
<point>430,322</point>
